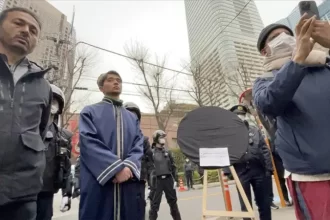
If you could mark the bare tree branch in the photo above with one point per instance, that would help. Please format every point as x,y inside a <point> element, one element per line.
<point>69,78</point>
<point>204,91</point>
<point>153,78</point>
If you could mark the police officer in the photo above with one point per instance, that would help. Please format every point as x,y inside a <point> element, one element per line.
<point>132,107</point>
<point>164,177</point>
<point>255,167</point>
<point>189,172</point>
<point>57,173</point>
<point>76,179</point>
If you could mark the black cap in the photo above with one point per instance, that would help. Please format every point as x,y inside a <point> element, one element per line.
<point>239,109</point>
<point>266,31</point>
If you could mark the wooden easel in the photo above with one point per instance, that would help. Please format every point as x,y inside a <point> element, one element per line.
<point>236,214</point>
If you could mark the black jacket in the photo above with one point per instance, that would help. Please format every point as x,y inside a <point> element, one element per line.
<point>57,173</point>
<point>257,155</point>
<point>144,162</point>
<point>77,174</point>
<point>24,114</point>
<point>152,167</point>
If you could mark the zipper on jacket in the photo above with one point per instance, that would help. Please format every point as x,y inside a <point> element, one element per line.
<point>13,98</point>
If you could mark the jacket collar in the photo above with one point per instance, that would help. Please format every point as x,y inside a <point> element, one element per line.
<point>113,101</point>
<point>32,66</point>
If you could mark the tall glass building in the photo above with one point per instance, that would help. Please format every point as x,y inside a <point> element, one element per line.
<point>224,47</point>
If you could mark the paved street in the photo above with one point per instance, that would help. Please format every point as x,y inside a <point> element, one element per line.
<point>190,204</point>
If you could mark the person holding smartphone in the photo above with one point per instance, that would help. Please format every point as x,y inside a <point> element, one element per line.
<point>295,91</point>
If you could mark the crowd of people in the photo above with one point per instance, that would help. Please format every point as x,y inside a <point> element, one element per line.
<point>117,162</point>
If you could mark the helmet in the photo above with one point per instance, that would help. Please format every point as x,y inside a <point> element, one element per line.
<point>132,107</point>
<point>157,134</point>
<point>59,96</point>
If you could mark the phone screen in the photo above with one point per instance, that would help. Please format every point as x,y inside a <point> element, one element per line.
<point>310,8</point>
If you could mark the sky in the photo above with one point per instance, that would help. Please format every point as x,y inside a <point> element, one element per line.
<point>158,25</point>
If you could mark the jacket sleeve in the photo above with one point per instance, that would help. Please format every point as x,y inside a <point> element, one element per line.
<point>265,153</point>
<point>173,167</point>
<point>100,161</point>
<point>134,156</point>
<point>45,116</point>
<point>271,96</point>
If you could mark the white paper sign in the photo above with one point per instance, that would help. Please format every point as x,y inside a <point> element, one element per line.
<point>214,157</point>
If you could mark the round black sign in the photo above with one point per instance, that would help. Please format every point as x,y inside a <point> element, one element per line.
<point>212,127</point>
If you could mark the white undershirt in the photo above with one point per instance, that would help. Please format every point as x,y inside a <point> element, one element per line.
<point>307,178</point>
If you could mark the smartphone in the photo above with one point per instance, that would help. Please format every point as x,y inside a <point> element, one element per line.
<point>310,8</point>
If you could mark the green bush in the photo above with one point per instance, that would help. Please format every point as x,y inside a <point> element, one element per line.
<point>179,158</point>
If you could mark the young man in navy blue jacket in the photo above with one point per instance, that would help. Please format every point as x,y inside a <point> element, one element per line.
<point>295,92</point>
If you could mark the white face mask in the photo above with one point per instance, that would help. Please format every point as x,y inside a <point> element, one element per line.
<point>161,140</point>
<point>55,107</point>
<point>242,117</point>
<point>282,44</point>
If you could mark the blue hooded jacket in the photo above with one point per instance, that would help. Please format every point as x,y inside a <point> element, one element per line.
<point>299,98</point>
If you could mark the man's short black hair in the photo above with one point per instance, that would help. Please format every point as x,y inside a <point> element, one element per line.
<point>103,77</point>
<point>4,13</point>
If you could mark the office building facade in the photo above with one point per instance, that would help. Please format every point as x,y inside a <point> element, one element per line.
<point>225,48</point>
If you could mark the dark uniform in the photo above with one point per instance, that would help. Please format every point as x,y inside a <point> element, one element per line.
<point>76,179</point>
<point>254,168</point>
<point>144,164</point>
<point>57,173</point>
<point>189,172</point>
<point>269,124</point>
<point>144,176</point>
<point>163,178</point>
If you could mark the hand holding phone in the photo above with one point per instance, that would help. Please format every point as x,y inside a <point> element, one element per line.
<point>310,8</point>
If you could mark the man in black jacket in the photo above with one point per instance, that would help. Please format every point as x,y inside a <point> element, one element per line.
<point>255,168</point>
<point>25,102</point>
<point>57,174</point>
<point>144,178</point>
